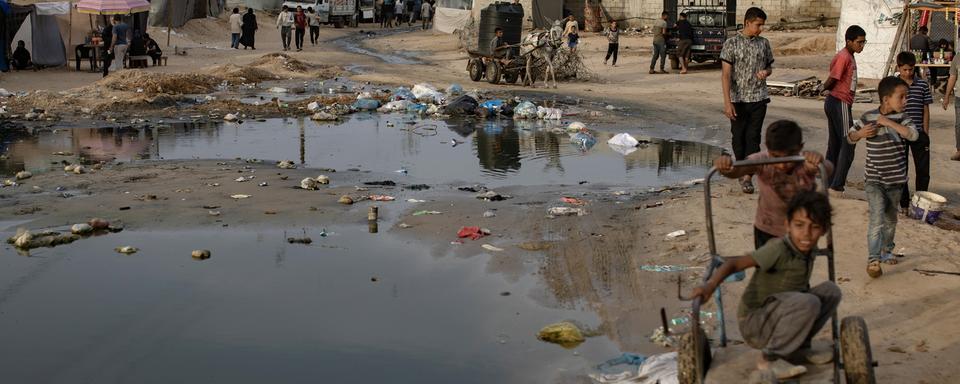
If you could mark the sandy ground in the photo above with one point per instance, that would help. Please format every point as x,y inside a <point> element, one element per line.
<point>592,261</point>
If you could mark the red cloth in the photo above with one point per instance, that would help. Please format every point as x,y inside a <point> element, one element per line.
<point>473,233</point>
<point>300,20</point>
<point>843,68</point>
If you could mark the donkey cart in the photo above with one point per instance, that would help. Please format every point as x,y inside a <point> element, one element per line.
<point>511,68</point>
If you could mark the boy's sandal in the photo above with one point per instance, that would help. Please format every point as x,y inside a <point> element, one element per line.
<point>873,269</point>
<point>888,259</point>
<point>746,186</point>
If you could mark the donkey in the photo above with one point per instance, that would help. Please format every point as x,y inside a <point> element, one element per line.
<point>542,46</point>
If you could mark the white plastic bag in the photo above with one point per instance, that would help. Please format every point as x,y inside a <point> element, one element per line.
<point>623,140</point>
<point>525,110</point>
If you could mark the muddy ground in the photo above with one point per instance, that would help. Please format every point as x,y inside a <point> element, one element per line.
<point>589,261</point>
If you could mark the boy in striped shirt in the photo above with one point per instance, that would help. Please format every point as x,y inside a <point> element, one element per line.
<point>918,109</point>
<point>886,130</point>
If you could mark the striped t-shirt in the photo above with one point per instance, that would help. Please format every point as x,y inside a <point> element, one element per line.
<point>886,155</point>
<point>918,96</point>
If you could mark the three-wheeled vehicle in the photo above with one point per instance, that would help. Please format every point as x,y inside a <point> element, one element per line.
<point>851,343</point>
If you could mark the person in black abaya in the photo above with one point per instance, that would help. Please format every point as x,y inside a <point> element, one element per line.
<point>248,29</point>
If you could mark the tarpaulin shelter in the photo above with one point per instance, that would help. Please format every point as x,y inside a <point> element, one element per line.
<point>176,13</point>
<point>876,17</point>
<point>35,24</point>
<point>264,5</point>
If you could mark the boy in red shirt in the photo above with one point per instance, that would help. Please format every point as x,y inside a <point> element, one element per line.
<point>840,90</point>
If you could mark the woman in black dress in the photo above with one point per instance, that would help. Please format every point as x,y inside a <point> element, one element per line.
<point>248,29</point>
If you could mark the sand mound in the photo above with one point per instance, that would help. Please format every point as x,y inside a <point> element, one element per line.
<point>235,74</point>
<point>279,61</point>
<point>154,83</point>
<point>811,45</point>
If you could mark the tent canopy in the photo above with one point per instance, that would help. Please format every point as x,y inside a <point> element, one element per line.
<point>179,12</point>
<point>37,26</point>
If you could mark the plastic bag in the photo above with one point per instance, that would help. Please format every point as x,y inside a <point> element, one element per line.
<point>395,106</point>
<point>549,113</point>
<point>492,106</point>
<point>583,140</point>
<point>366,104</point>
<point>417,108</point>
<point>403,93</point>
<point>623,140</point>
<point>454,89</point>
<point>525,110</point>
<point>463,105</point>
<point>576,126</point>
<point>424,91</point>
<point>364,95</point>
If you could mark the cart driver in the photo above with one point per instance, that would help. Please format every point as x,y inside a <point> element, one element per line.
<point>779,312</point>
<point>499,49</point>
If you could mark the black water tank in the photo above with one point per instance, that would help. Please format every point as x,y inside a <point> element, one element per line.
<point>503,15</point>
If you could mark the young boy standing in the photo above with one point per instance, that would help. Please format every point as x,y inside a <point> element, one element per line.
<point>839,90</point>
<point>747,62</point>
<point>886,130</point>
<point>613,40</point>
<point>778,183</point>
<point>918,109</point>
<point>779,312</point>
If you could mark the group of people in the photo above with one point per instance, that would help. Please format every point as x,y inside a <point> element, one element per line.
<point>119,43</point>
<point>391,13</point>
<point>780,312</point>
<point>243,29</point>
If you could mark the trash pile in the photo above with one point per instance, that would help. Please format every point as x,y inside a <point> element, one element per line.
<point>810,88</point>
<point>25,240</point>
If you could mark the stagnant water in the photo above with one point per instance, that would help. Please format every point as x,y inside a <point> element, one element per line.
<point>493,152</point>
<point>261,310</point>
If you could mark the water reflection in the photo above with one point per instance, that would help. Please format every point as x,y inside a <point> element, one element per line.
<point>497,151</point>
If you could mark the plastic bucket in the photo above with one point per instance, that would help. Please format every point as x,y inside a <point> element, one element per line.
<point>927,206</point>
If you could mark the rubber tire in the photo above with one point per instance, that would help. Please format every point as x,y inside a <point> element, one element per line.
<point>475,69</point>
<point>674,62</point>
<point>693,358</point>
<point>494,72</point>
<point>855,348</point>
<point>511,77</point>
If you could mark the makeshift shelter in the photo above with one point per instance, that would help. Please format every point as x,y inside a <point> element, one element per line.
<point>881,20</point>
<point>264,5</point>
<point>452,15</point>
<point>176,13</point>
<point>36,24</point>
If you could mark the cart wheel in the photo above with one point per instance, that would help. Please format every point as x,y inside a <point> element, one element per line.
<point>475,68</point>
<point>855,347</point>
<point>674,62</point>
<point>693,357</point>
<point>494,72</point>
<point>511,77</point>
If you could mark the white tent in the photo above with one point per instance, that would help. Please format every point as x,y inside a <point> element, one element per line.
<point>881,35</point>
<point>41,34</point>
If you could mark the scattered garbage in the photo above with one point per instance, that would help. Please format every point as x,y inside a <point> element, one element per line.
<point>345,200</point>
<point>659,337</point>
<point>230,117</point>
<point>666,268</point>
<point>309,184</point>
<point>127,250</point>
<point>241,179</point>
<point>384,183</point>
<point>417,187</point>
<point>322,180</point>
<point>416,201</point>
<point>26,240</point>
<point>381,198</point>
<point>22,175</point>
<point>403,93</point>
<point>491,248</point>
<point>534,246</point>
<point>240,196</point>
<point>462,105</point>
<point>493,196</point>
<point>421,213</point>
<point>676,234</point>
<point>489,214</point>
<point>200,254</point>
<point>395,106</point>
<point>525,110</point>
<point>583,140</point>
<point>566,211</point>
<point>263,184</point>
<point>299,240</point>
<point>544,113</point>
<point>473,233</point>
<point>277,90</point>
<point>81,229</point>
<point>313,106</point>
<point>492,106</point>
<point>576,126</point>
<point>656,369</point>
<point>426,92</point>
<point>286,164</point>
<point>404,225</point>
<point>324,116</point>
<point>366,104</point>
<point>565,334</point>
<point>623,140</point>
<point>573,201</point>
<point>454,90</point>
<point>98,224</point>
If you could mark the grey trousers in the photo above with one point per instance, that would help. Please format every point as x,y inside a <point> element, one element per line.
<point>788,321</point>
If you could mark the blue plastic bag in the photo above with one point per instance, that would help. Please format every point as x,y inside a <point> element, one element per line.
<point>493,106</point>
<point>366,104</point>
<point>403,93</point>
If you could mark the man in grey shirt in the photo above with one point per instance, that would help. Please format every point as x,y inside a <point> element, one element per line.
<point>659,43</point>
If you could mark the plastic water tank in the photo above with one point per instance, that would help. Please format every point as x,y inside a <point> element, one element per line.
<point>504,15</point>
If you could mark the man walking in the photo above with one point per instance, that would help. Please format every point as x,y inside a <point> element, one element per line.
<point>685,42</point>
<point>120,42</point>
<point>284,22</point>
<point>425,14</point>
<point>839,89</point>
<point>659,43</point>
<point>747,62</point>
<point>300,25</point>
